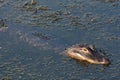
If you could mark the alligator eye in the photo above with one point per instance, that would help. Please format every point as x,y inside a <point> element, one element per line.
<point>85,50</point>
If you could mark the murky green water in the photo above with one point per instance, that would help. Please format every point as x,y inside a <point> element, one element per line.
<point>32,38</point>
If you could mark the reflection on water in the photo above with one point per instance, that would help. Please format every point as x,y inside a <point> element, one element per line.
<point>37,34</point>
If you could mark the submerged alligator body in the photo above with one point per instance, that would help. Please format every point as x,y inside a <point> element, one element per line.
<point>88,53</point>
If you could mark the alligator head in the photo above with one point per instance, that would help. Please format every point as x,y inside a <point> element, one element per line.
<point>85,52</point>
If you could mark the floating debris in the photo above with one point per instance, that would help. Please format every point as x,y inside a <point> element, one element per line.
<point>33,2</point>
<point>43,8</point>
<point>114,38</point>
<point>3,25</point>
<point>29,5</point>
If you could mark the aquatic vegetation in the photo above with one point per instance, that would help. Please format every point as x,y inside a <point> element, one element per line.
<point>38,30</point>
<point>33,2</point>
<point>40,35</point>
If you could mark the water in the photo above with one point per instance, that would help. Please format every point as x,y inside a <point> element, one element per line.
<point>32,41</point>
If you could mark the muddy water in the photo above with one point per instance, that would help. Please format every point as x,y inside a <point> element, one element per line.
<point>33,36</point>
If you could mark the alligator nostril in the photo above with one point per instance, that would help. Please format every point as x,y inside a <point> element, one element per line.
<point>85,49</point>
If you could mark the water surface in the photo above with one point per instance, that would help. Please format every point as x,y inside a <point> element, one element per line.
<point>34,36</point>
